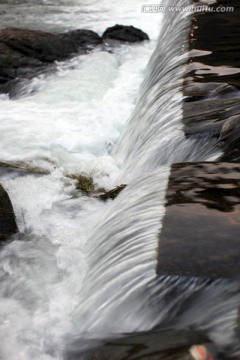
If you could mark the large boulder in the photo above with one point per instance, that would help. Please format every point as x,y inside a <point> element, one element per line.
<point>12,58</point>
<point>13,64</point>
<point>39,45</point>
<point>7,218</point>
<point>83,38</point>
<point>27,53</point>
<point>125,33</point>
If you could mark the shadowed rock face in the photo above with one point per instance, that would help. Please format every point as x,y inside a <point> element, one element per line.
<point>223,33</point>
<point>208,116</point>
<point>13,64</point>
<point>44,46</point>
<point>125,33</point>
<point>83,38</point>
<point>212,81</point>
<point>200,233</point>
<point>219,52</point>
<point>27,53</point>
<point>7,218</point>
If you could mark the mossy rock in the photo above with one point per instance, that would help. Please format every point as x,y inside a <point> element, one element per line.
<point>112,194</point>
<point>86,184</point>
<point>24,167</point>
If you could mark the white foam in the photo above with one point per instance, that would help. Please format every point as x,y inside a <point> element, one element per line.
<point>66,123</point>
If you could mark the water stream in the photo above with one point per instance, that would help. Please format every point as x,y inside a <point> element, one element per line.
<point>65,125</point>
<point>79,264</point>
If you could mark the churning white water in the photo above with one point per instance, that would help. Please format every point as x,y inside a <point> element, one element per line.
<point>79,262</point>
<point>65,123</point>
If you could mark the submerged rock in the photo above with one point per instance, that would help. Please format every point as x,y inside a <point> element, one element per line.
<point>7,218</point>
<point>155,345</point>
<point>112,194</point>
<point>208,116</point>
<point>84,183</point>
<point>233,123</point>
<point>230,138</point>
<point>24,167</point>
<point>125,33</point>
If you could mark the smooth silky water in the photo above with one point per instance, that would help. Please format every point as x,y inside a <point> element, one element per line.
<point>81,266</point>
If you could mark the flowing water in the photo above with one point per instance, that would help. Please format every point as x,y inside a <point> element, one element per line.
<point>80,265</point>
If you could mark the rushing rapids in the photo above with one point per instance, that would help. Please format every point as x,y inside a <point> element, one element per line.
<point>80,266</point>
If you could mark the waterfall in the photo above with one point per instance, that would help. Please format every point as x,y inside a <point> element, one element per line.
<point>83,268</point>
<point>154,133</point>
<point>122,261</point>
<point>122,292</point>
<point>122,248</point>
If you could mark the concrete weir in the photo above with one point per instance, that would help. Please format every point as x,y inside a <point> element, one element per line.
<point>198,254</point>
<point>200,233</point>
<point>212,79</point>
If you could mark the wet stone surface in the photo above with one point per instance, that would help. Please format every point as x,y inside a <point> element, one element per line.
<point>212,79</point>
<point>7,218</point>
<point>201,228</point>
<point>160,345</point>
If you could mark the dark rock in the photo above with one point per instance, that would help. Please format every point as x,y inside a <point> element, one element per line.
<point>28,47</point>
<point>212,81</point>
<point>230,125</point>
<point>193,98</point>
<point>125,33</point>
<point>112,194</point>
<point>153,345</point>
<point>13,62</point>
<point>7,218</point>
<point>39,45</point>
<point>86,185</point>
<point>11,58</point>
<point>83,38</point>
<point>208,116</point>
<point>28,53</point>
<point>230,138</point>
<point>200,232</point>
<point>25,54</point>
<point>231,146</point>
<point>223,45</point>
<point>210,89</point>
